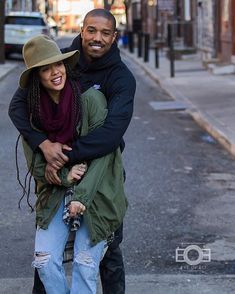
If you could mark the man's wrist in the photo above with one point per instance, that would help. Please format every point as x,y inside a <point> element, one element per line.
<point>35,140</point>
<point>44,145</point>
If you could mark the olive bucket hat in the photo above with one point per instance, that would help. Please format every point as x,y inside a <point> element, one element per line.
<point>41,50</point>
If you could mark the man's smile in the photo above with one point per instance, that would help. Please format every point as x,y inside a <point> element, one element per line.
<point>96,46</point>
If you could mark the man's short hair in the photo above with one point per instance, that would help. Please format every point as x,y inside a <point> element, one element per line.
<point>102,13</point>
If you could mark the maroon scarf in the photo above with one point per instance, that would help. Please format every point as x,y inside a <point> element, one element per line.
<point>59,120</point>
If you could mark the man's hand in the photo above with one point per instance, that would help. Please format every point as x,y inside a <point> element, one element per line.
<point>53,153</point>
<point>76,207</point>
<point>51,175</point>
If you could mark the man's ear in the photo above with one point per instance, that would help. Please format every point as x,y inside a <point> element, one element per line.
<point>81,33</point>
<point>114,36</point>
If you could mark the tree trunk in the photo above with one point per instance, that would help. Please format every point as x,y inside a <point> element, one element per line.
<point>127,4</point>
<point>126,13</point>
<point>2,41</point>
<point>108,4</point>
<point>34,5</point>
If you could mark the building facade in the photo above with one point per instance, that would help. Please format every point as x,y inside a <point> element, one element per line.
<point>207,29</point>
<point>226,32</point>
<point>206,25</point>
<point>216,31</point>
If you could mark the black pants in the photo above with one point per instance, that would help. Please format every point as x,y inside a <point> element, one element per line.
<point>112,271</point>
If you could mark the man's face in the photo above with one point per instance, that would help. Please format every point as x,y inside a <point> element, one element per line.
<point>98,36</point>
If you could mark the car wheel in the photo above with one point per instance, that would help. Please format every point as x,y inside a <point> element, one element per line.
<point>7,55</point>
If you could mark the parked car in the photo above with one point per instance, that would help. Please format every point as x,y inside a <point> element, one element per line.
<point>20,27</point>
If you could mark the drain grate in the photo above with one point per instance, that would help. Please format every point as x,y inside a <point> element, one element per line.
<point>168,105</point>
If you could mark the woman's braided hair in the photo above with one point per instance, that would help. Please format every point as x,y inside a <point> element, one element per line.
<point>33,101</point>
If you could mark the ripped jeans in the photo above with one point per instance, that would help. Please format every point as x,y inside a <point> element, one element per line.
<point>49,248</point>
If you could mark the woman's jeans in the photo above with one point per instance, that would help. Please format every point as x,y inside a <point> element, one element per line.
<point>49,248</point>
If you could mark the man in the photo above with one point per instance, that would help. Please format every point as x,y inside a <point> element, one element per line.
<point>99,66</point>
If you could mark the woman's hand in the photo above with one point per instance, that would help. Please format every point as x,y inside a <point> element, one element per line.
<point>75,208</point>
<point>76,172</point>
<point>51,175</point>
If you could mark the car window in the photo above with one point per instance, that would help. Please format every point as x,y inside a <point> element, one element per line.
<point>36,21</point>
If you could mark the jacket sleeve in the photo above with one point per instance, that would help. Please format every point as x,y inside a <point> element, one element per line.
<point>108,137</point>
<point>36,165</point>
<point>19,115</point>
<point>94,114</point>
<point>87,189</point>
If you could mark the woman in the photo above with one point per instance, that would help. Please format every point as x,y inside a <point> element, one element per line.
<point>56,107</point>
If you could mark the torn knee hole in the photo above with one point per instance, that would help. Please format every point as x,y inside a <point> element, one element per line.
<point>41,259</point>
<point>84,258</point>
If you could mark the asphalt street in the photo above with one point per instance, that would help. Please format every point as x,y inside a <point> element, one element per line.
<point>180,186</point>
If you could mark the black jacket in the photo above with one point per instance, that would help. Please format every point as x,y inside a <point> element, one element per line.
<point>111,76</point>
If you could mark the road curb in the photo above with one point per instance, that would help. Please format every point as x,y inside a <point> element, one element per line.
<point>214,132</point>
<point>200,118</point>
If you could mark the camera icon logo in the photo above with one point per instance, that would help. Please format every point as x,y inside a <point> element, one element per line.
<point>185,255</point>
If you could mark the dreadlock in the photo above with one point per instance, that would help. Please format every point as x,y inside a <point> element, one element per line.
<point>27,180</point>
<point>33,101</point>
<point>77,105</point>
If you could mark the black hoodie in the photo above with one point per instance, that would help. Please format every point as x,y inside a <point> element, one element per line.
<point>111,76</point>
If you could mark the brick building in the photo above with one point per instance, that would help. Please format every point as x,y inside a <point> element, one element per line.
<point>205,25</point>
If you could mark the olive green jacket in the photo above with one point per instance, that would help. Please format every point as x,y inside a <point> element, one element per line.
<point>101,190</point>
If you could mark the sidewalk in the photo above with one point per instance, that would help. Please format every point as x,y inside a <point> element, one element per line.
<point>210,98</point>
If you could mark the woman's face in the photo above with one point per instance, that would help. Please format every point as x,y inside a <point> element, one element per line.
<point>53,76</point>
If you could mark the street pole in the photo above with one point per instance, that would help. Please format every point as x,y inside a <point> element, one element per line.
<point>157,20</point>
<point>34,5</point>
<point>146,47</point>
<point>139,35</point>
<point>2,43</point>
<point>171,49</point>
<point>131,41</point>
